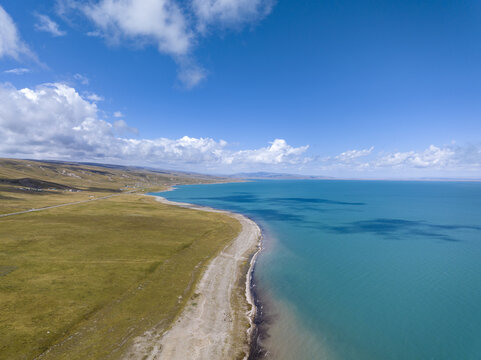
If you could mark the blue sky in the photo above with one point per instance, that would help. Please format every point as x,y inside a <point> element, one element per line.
<point>340,88</point>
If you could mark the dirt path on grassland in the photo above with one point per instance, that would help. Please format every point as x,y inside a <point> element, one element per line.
<point>210,327</point>
<point>61,205</point>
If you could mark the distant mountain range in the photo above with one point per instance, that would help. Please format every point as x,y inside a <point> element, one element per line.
<point>209,178</point>
<point>277,176</point>
<point>282,176</point>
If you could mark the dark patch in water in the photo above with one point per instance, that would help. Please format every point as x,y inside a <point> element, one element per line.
<point>275,215</point>
<point>248,198</point>
<point>315,201</point>
<point>393,227</point>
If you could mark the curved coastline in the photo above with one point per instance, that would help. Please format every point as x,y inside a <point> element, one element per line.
<point>255,314</point>
<point>208,331</point>
<point>257,330</point>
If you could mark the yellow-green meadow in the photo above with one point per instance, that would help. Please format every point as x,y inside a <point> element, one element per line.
<point>81,281</point>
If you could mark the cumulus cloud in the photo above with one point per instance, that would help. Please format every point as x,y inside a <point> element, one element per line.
<point>93,97</point>
<point>17,71</point>
<point>350,155</point>
<point>118,114</point>
<point>122,128</point>
<point>173,26</point>
<point>190,75</point>
<point>448,159</point>
<point>55,121</point>
<point>432,157</point>
<point>48,25</point>
<point>11,45</point>
<point>229,12</point>
<point>158,21</point>
<point>279,152</point>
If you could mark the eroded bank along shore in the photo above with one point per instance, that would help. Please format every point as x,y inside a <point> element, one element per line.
<point>218,320</point>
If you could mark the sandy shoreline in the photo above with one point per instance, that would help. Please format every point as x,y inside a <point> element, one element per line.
<point>218,321</point>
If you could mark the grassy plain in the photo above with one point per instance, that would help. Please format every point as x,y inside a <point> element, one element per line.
<point>81,281</point>
<point>28,184</point>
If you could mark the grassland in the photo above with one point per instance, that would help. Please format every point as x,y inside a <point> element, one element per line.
<point>32,184</point>
<point>81,281</point>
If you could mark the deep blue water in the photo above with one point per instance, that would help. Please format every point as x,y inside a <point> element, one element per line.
<point>364,269</point>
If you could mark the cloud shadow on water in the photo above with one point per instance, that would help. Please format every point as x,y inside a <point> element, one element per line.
<point>240,198</point>
<point>243,197</point>
<point>294,207</point>
<point>315,201</point>
<point>395,228</point>
<point>275,215</point>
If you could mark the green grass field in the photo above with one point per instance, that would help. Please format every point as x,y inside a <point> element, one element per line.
<point>81,281</point>
<point>28,184</point>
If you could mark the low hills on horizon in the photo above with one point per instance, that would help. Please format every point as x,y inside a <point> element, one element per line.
<point>46,172</point>
<point>37,175</point>
<point>263,175</point>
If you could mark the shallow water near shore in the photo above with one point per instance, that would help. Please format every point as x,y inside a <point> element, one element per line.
<point>363,269</point>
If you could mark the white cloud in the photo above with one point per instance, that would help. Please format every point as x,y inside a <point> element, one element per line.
<point>350,155</point>
<point>121,128</point>
<point>48,25</point>
<point>159,21</point>
<point>279,152</point>
<point>17,71</point>
<point>93,97</point>
<point>434,160</point>
<point>11,45</point>
<point>229,12</point>
<point>118,114</point>
<point>190,74</point>
<point>173,26</point>
<point>54,121</point>
<point>82,79</point>
<point>433,156</point>
<point>94,33</point>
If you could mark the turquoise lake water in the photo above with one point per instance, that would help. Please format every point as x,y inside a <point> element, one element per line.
<point>363,269</point>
